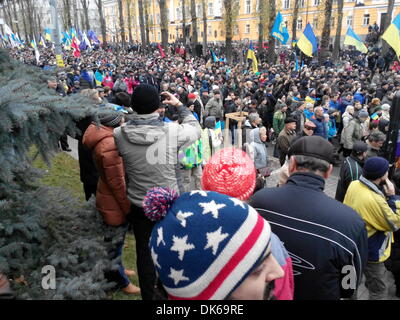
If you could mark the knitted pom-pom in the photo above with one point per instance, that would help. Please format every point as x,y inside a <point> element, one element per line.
<point>157,202</point>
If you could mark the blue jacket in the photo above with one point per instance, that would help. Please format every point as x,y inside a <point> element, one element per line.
<point>359,97</point>
<point>321,235</point>
<point>321,129</point>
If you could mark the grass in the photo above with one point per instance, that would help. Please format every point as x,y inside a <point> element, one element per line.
<point>64,173</point>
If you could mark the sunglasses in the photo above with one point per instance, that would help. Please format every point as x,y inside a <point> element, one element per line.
<point>309,128</point>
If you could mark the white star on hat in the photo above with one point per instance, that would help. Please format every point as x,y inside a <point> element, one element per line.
<point>177,276</point>
<point>212,207</point>
<point>214,239</point>
<point>181,246</point>
<point>200,192</point>
<point>182,216</point>
<point>237,202</point>
<point>160,237</point>
<point>154,256</point>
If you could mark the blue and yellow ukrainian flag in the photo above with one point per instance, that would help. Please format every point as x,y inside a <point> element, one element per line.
<point>98,78</point>
<point>352,39</point>
<point>279,30</point>
<point>308,42</point>
<point>47,34</point>
<point>214,56</point>
<point>252,55</point>
<point>392,35</point>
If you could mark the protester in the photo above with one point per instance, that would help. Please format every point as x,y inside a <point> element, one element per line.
<point>373,197</point>
<point>285,138</point>
<point>306,231</point>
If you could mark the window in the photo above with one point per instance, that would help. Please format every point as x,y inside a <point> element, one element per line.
<point>159,36</point>
<point>366,19</point>
<point>349,21</point>
<point>247,30</point>
<point>202,34</point>
<point>215,34</point>
<point>158,18</point>
<point>210,9</point>
<point>299,24</point>
<point>199,11</point>
<point>286,4</point>
<point>177,16</point>
<point>235,29</point>
<point>248,7</point>
<point>301,3</point>
<point>315,23</point>
<point>316,2</point>
<point>209,30</point>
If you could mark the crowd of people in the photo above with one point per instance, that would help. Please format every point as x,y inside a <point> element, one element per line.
<point>206,222</point>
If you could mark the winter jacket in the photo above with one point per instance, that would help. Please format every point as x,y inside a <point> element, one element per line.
<point>259,149</point>
<point>350,170</point>
<point>284,141</point>
<point>279,121</point>
<point>214,108</point>
<point>321,129</point>
<point>359,97</point>
<point>149,148</point>
<point>111,199</point>
<point>380,213</point>
<point>352,133</point>
<point>346,119</point>
<point>108,82</point>
<point>300,120</point>
<point>308,114</point>
<point>321,235</point>
<point>210,141</point>
<point>344,103</point>
<point>332,130</point>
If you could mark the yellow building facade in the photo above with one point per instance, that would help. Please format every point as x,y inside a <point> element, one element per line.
<point>355,14</point>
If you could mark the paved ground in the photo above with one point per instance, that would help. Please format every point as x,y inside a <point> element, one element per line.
<point>330,190</point>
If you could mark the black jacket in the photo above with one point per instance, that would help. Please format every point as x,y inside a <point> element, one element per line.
<point>321,235</point>
<point>351,170</point>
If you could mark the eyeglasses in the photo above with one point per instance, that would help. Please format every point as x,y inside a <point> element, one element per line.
<point>309,128</point>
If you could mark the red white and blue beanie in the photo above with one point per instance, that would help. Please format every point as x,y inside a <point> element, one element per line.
<point>205,243</point>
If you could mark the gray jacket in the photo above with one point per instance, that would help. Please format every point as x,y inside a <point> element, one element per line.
<point>149,148</point>
<point>352,133</point>
<point>259,149</point>
<point>214,108</point>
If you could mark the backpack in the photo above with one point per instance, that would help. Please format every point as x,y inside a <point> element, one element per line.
<point>192,156</point>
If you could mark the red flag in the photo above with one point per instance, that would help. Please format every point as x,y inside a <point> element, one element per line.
<point>77,52</point>
<point>161,50</point>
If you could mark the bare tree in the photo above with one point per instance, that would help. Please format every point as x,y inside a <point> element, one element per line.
<point>30,14</point>
<point>129,14</point>
<point>264,17</point>
<point>326,32</point>
<point>146,21</point>
<point>16,17</point>
<point>271,54</point>
<point>99,4</point>
<point>164,22</point>
<point>295,17</point>
<point>122,22</point>
<point>67,14</point>
<point>141,22</point>
<point>386,23</point>
<point>195,36</point>
<point>85,7</point>
<point>183,4</point>
<point>75,14</point>
<point>23,16</point>
<point>204,7</point>
<point>231,10</point>
<point>336,48</point>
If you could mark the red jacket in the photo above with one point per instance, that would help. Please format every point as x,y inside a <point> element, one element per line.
<point>111,198</point>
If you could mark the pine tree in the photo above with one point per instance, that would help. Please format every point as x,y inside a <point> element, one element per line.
<point>40,226</point>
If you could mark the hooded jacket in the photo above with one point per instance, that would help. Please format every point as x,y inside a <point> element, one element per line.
<point>111,199</point>
<point>381,215</point>
<point>350,170</point>
<point>351,133</point>
<point>149,148</point>
<point>321,235</point>
<point>259,149</point>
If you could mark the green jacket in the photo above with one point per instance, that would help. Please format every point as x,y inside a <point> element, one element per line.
<point>279,121</point>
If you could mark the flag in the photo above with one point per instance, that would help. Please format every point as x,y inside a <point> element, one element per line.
<point>74,45</point>
<point>352,39</point>
<point>7,30</point>
<point>37,54</point>
<point>99,78</point>
<point>47,34</point>
<point>279,30</point>
<point>296,65</point>
<point>214,56</point>
<point>308,42</point>
<point>92,36</point>
<point>42,41</point>
<point>252,55</point>
<point>392,35</point>
<point>72,32</point>
<point>161,50</point>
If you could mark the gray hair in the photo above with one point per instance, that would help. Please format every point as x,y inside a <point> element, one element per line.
<point>311,163</point>
<point>253,117</point>
<point>377,136</point>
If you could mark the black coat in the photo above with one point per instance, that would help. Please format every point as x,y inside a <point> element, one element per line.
<point>321,235</point>
<point>351,170</point>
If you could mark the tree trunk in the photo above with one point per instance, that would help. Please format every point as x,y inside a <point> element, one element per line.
<point>85,7</point>
<point>295,17</point>
<point>29,7</point>
<point>142,26</point>
<point>16,18</point>
<point>386,23</point>
<point>195,36</point>
<point>183,21</point>
<point>122,22</point>
<point>39,23</point>
<point>271,54</point>
<point>99,4</point>
<point>67,13</point>
<point>164,22</point>
<point>129,13</point>
<point>229,20</point>
<point>326,32</point>
<point>23,15</point>
<point>263,16</point>
<point>336,48</point>
<point>147,23</point>
<point>75,15</point>
<point>204,7</point>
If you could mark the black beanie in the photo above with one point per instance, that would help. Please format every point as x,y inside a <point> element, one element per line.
<point>145,99</point>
